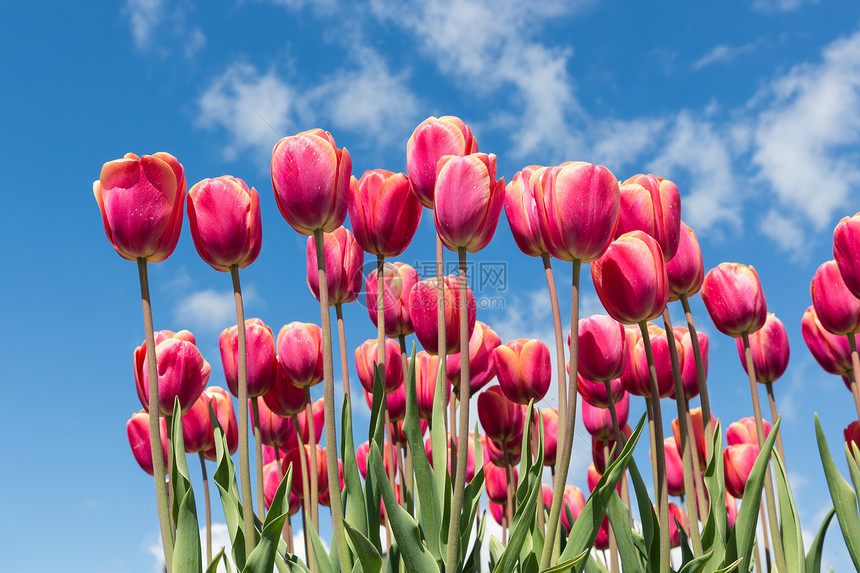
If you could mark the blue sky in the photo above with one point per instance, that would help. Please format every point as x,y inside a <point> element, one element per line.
<point>752,108</point>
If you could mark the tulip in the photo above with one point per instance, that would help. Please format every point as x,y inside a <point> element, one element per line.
<point>361,454</point>
<point>524,370</point>
<point>261,359</point>
<point>636,375</point>
<point>504,454</point>
<point>319,418</point>
<point>574,501</point>
<point>496,482</point>
<point>731,509</point>
<point>837,308</point>
<point>343,263</point>
<point>602,351</point>
<point>141,200</point>
<point>224,217</point>
<point>396,402</point>
<point>689,374</point>
<point>294,459</point>
<point>550,435</point>
<point>685,270</point>
<point>743,432</point>
<point>546,494</point>
<point>769,346</point>
<point>222,405</point>
<point>197,435</point>
<point>270,455</point>
<point>593,476</point>
<point>674,467</point>
<point>578,205</point>
<point>383,211</point>
<point>325,497</point>
<point>470,454</point>
<point>498,511</point>
<point>468,201</point>
<point>310,176</point>
<point>422,304</point>
<point>285,398</point>
<point>426,373</point>
<point>852,437</point>
<point>431,140</point>
<point>521,209</point>
<point>845,251</point>
<point>676,517</point>
<point>595,392</point>
<point>832,352</point>
<point>653,205</point>
<point>598,420</point>
<point>738,463</point>
<point>734,298</point>
<point>275,431</point>
<point>182,371</point>
<point>397,282</point>
<point>482,365</point>
<point>138,438</point>
<point>602,540</point>
<point>365,362</point>
<point>698,436</point>
<point>300,353</point>
<point>630,278</point>
<point>501,418</point>
<point>272,475</point>
<point>597,445</point>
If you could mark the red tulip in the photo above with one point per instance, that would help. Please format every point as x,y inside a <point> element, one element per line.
<point>743,432</point>
<point>396,402</point>
<point>731,509</point>
<point>482,365</point>
<point>504,454</point>
<point>685,270</point>
<point>261,359</point>
<point>383,211</point>
<point>182,371</point>
<point>361,454</point>
<point>593,476</point>
<point>734,298</point>
<point>496,482</point>
<point>602,540</point>
<point>597,454</point>
<point>300,353</point>
<point>468,200</point>
<point>197,434</point>
<point>630,278</point>
<point>636,375</point>
<point>470,454</point>
<point>311,180</point>
<point>318,411</point>
<point>501,418</point>
<point>653,205</point>
<point>343,263</point>
<point>422,304</point>
<point>141,200</point>
<point>769,346</point>
<point>602,348</point>
<point>837,308</point>
<point>847,253</point>
<point>222,405</point>
<point>272,475</point>
<point>832,352</point>
<point>689,374</point>
<point>365,361</point>
<point>676,517</point>
<point>294,459</point>
<point>852,436</point>
<point>431,140</point>
<point>574,501</point>
<point>595,392</point>
<point>550,435</point>
<point>426,373</point>
<point>674,467</point>
<point>546,494</point>
<point>397,282</point>
<point>224,216</point>
<point>498,511</point>
<point>275,431</point>
<point>598,420</point>
<point>698,436</point>
<point>738,463</point>
<point>577,205</point>
<point>524,370</point>
<point>137,429</point>
<point>285,398</point>
<point>269,452</point>
<point>325,497</point>
<point>521,209</point>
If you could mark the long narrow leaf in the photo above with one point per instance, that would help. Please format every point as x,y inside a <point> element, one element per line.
<point>186,550</point>
<point>715,533</point>
<point>355,510</point>
<point>619,519</point>
<point>368,557</point>
<point>262,558</point>
<point>789,520</point>
<point>813,558</point>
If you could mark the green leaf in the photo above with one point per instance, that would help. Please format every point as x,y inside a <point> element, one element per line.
<point>368,557</point>
<point>853,469</point>
<point>320,553</point>
<point>697,564</point>
<point>789,521</point>
<point>179,472</point>
<point>355,511</point>
<point>213,567</point>
<point>439,440</point>
<point>715,533</point>
<point>372,492</point>
<point>225,479</point>
<point>650,526</point>
<point>262,558</point>
<point>843,496</point>
<point>619,519</point>
<point>496,551</point>
<point>186,550</point>
<point>813,558</point>
<point>569,564</point>
<point>471,503</point>
<point>473,563</point>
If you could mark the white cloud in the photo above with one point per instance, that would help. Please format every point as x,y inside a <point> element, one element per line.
<point>153,23</point>
<point>723,54</point>
<point>210,310</point>
<point>144,17</point>
<point>770,6</point>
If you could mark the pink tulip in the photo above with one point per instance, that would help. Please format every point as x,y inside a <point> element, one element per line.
<point>689,374</point>
<point>311,180</point>
<point>685,270</point>
<point>470,454</point>
<point>674,467</point>
<point>598,420</point>
<point>222,405</point>
<point>137,429</point>
<point>630,278</point>
<point>602,540</point>
<point>743,432</point>
<point>365,361</point>
<point>224,216</point>
<point>396,403</point>
<point>197,435</point>
<point>846,251</point>
<point>397,430</point>
<point>734,298</point>
<point>653,205</point>
<point>262,362</point>
<point>293,458</point>
<point>504,454</point>
<point>275,431</point>
<point>731,509</point>
<point>426,373</point>
<point>397,282</point>
<point>431,140</point>
<point>597,454</point>
<point>482,365</point>
<point>343,263</point>
<point>602,348</point>
<point>521,209</point>
<point>546,494</point>
<point>285,398</point>
<point>593,476</point>
<point>182,371</point>
<point>577,205</point>
<point>837,308</point>
<point>383,211</point>
<point>361,454</point>
<point>676,517</point>
<point>636,376</point>
<point>498,511</point>
<point>501,418</point>
<point>468,201</point>
<point>738,463</point>
<point>574,501</point>
<point>852,436</point>
<point>698,437</point>
<point>524,369</point>
<point>272,475</point>
<point>769,346</point>
<point>595,392</point>
<point>300,353</point>
<point>269,452</point>
<point>832,352</point>
<point>550,435</point>
<point>318,411</point>
<point>141,200</point>
<point>422,304</point>
<point>325,497</point>
<point>496,482</point>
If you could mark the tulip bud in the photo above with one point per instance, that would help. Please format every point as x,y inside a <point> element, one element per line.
<point>676,517</point>
<point>832,352</point>
<point>595,392</point>
<point>294,459</point>
<point>685,270</point>
<point>431,140</point>
<point>137,429</point>
<point>318,411</point>
<point>846,251</point>
<point>630,278</point>
<point>698,436</point>
<point>197,435</point>
<point>524,370</point>
<point>396,402</point>
<point>300,353</point>
<point>482,366</point>
<point>498,511</point>
<point>593,476</point>
<point>365,362</point>
<point>738,463</point>
<point>141,201</point>
<point>285,398</point>
<point>496,482</point>
<point>574,501</point>
<point>636,376</point>
<point>272,473</point>
<point>598,420</point>
<point>521,210</point>
<point>550,435</point>
<point>224,217</point>
<point>602,540</point>
<point>597,454</point>
<point>504,454</point>
<point>852,437</point>
<point>275,431</point>
<point>325,497</point>
<point>261,359</point>
<point>734,298</point>
<point>426,374</point>
<point>271,454</point>
<point>546,494</point>
<point>343,262</point>
<point>397,282</point>
<point>674,467</point>
<point>731,509</point>
<point>383,211</point>
<point>652,205</point>
<point>837,308</point>
<point>422,304</point>
<point>501,418</point>
<point>769,346</point>
<point>311,180</point>
<point>689,373</point>
<point>602,348</point>
<point>222,405</point>
<point>182,371</point>
<point>743,432</point>
<point>470,454</point>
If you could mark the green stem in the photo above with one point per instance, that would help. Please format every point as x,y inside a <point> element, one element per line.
<point>559,340</point>
<point>774,415</point>
<point>703,383</point>
<point>344,357</point>
<point>441,335</point>
<point>154,425</point>
<point>306,498</point>
<point>613,545</point>
<point>287,532</point>
<point>208,509</point>
<point>258,451</point>
<point>312,441</point>
<point>855,368</point>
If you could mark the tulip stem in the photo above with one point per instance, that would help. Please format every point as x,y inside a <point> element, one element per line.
<point>657,448</point>
<point>391,450</point>
<point>559,340</point>
<point>764,538</point>
<point>244,461</point>
<point>768,484</point>
<point>441,335</point>
<point>463,430</point>
<point>452,441</point>
<point>509,486</point>
<point>703,383</point>
<point>287,532</point>
<point>613,545</point>
<point>306,501</point>
<point>567,421</point>
<point>208,509</point>
<point>344,358</point>
<point>329,416</point>
<point>314,468</point>
<point>774,415</point>
<point>619,439</point>
<point>686,461</point>
<point>380,319</point>
<point>855,371</point>
<point>258,452</point>
<point>154,414</point>
<point>702,503</point>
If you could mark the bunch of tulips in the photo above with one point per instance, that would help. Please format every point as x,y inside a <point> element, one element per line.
<point>418,473</point>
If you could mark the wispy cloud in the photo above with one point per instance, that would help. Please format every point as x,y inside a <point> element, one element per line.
<point>153,22</point>
<point>723,54</point>
<point>770,6</point>
<point>210,310</point>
